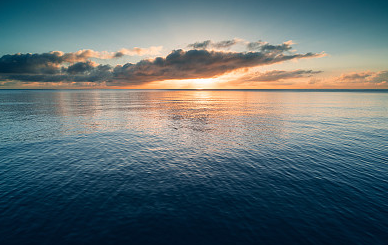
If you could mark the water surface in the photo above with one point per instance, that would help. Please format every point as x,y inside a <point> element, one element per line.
<point>193,167</point>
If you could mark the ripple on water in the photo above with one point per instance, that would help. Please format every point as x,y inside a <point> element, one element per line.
<point>193,167</point>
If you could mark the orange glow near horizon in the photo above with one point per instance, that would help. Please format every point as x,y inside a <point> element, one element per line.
<point>234,80</point>
<point>199,83</point>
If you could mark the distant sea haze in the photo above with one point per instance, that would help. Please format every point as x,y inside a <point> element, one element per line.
<point>193,167</point>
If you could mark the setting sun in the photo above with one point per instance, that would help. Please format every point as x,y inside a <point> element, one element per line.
<point>202,83</point>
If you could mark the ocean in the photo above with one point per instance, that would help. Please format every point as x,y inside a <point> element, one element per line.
<point>193,167</point>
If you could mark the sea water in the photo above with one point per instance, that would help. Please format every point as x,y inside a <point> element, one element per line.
<point>193,167</point>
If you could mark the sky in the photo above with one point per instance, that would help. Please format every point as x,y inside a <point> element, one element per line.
<point>199,44</point>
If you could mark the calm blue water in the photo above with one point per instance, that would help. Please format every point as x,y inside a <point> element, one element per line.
<point>193,167</point>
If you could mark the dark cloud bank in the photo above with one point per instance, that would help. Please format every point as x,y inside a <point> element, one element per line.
<point>179,64</point>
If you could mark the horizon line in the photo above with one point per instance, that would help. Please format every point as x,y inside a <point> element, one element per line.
<point>192,89</point>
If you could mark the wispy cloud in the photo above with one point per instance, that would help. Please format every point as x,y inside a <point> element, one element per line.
<point>154,50</point>
<point>208,44</point>
<point>276,75</point>
<point>269,48</point>
<point>250,46</point>
<point>367,77</point>
<point>359,79</point>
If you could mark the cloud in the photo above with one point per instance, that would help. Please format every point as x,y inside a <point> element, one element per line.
<point>269,48</point>
<point>250,46</point>
<point>361,79</point>
<point>79,72</point>
<point>82,55</point>
<point>179,64</point>
<point>260,46</point>
<point>368,77</point>
<point>46,63</point>
<point>227,43</point>
<point>200,45</point>
<point>216,45</point>
<point>276,75</point>
<point>356,76</point>
<point>154,50</point>
<point>50,63</point>
<point>80,67</point>
<point>314,81</point>
<point>85,54</point>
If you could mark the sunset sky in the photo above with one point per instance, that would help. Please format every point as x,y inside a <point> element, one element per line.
<point>194,44</point>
